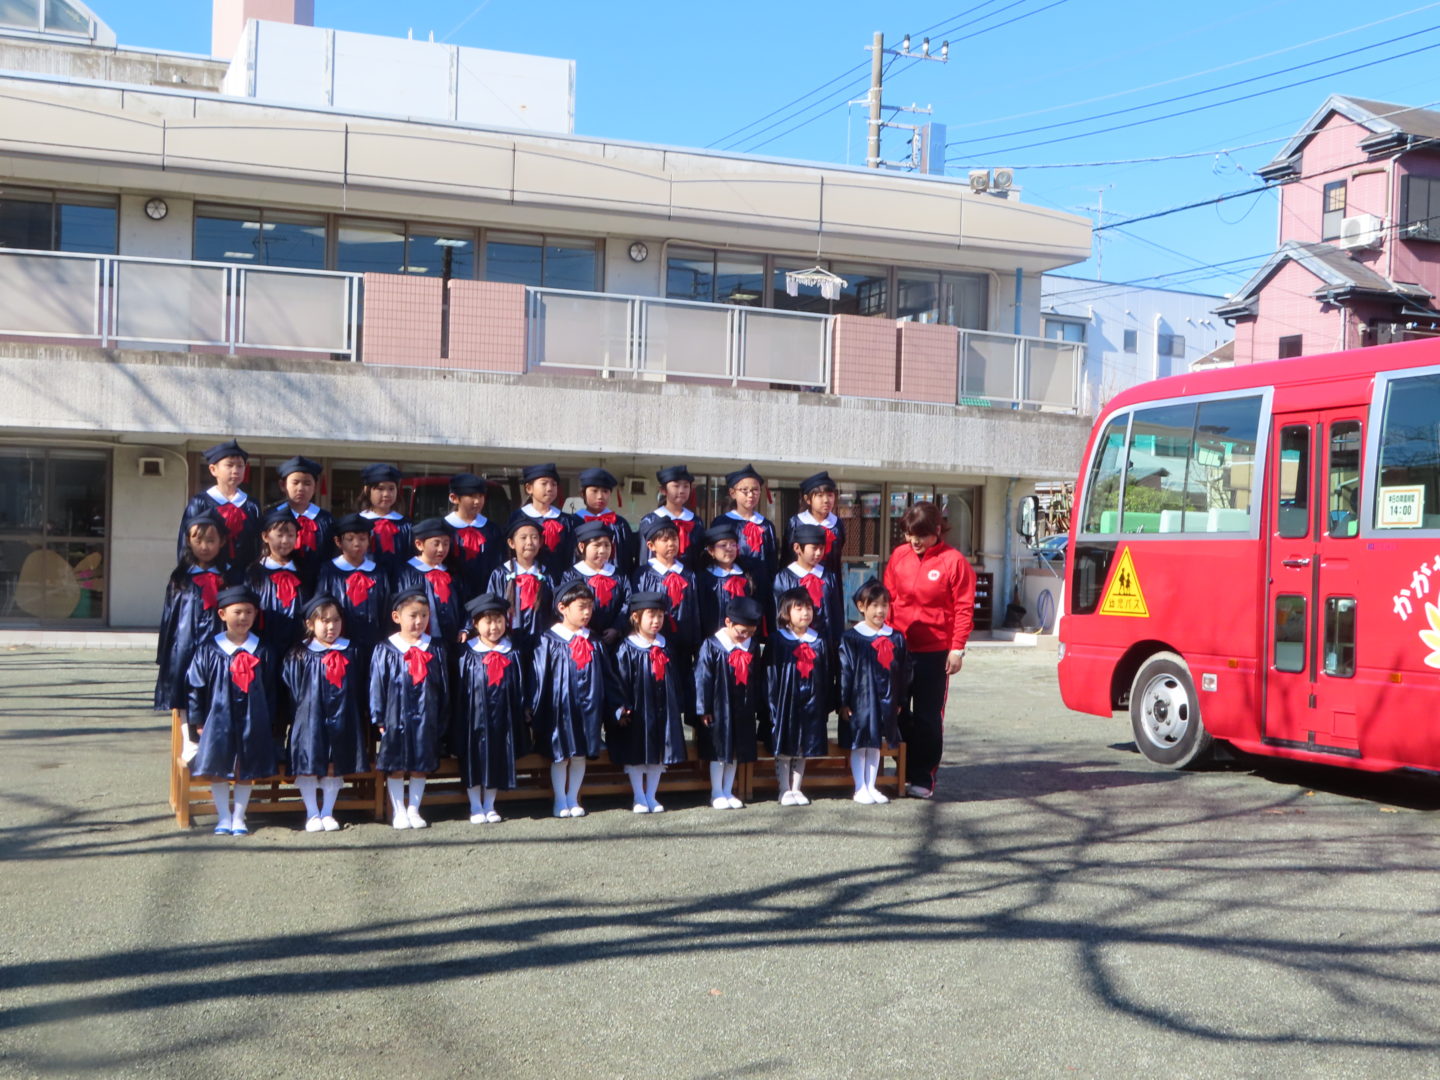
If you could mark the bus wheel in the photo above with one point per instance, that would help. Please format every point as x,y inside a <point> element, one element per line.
<point>1165,714</point>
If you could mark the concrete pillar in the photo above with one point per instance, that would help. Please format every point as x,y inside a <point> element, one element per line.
<point>228,18</point>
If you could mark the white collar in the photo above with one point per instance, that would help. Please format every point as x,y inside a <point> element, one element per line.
<point>424,567</point>
<point>310,511</point>
<point>563,631</point>
<point>673,568</point>
<point>212,569</point>
<point>756,518</point>
<point>533,570</point>
<point>729,645</point>
<point>227,646</point>
<point>271,564</point>
<point>640,643</point>
<point>402,645</point>
<point>480,647</point>
<point>818,570</point>
<point>586,570</point>
<point>238,499</point>
<point>340,643</point>
<point>686,514</point>
<point>810,519</point>
<point>460,523</point>
<point>809,637</point>
<point>345,565</point>
<point>720,571</point>
<point>393,515</point>
<point>863,628</point>
<point>530,511</point>
<point>588,514</point>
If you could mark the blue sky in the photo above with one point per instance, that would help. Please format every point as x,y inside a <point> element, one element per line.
<point>692,75</point>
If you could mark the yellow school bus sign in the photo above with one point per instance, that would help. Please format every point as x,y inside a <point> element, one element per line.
<point>1123,596</point>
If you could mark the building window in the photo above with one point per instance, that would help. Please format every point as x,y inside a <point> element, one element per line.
<point>1290,346</point>
<point>1132,341</point>
<point>255,237</point>
<point>1332,199</point>
<point>58,221</point>
<point>50,16</point>
<point>1171,345</point>
<point>1420,208</point>
<point>394,247</point>
<point>1064,330</point>
<point>934,296</point>
<point>716,277</point>
<point>53,509</point>
<point>550,261</point>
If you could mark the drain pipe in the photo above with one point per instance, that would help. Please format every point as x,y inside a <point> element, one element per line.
<point>1007,588</point>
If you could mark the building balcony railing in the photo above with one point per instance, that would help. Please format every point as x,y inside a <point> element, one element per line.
<point>1027,372</point>
<point>117,300</point>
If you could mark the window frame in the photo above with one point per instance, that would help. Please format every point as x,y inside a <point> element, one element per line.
<point>1297,341</point>
<point>1370,461</point>
<point>57,197</point>
<point>1331,219</point>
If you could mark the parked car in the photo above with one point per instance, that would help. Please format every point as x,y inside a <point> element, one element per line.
<point>1052,549</point>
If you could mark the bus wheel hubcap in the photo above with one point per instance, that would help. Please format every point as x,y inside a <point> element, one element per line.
<point>1166,710</point>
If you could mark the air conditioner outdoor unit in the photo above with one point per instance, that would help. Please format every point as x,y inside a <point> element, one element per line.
<point>1361,231</point>
<point>1004,179</point>
<point>979,179</point>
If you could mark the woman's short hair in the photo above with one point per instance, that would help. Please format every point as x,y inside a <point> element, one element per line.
<point>923,519</point>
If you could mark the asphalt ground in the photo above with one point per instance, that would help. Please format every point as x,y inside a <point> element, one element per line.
<point>1061,908</point>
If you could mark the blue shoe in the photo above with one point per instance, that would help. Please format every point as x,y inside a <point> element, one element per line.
<point>222,830</point>
<point>239,830</point>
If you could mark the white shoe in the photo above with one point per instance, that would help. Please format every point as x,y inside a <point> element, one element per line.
<point>799,798</point>
<point>416,821</point>
<point>562,810</point>
<point>640,808</point>
<point>479,819</point>
<point>878,798</point>
<point>492,817</point>
<point>720,802</point>
<point>656,808</point>
<point>863,796</point>
<point>577,811</point>
<point>787,798</point>
<point>400,821</point>
<point>916,791</point>
<point>314,824</point>
<point>735,804</point>
<point>329,824</point>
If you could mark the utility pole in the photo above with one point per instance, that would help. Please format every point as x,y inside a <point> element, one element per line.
<point>877,77</point>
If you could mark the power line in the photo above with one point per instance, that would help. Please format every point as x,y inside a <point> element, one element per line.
<point>724,138</point>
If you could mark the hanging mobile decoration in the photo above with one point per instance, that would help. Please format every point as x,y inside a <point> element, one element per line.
<point>830,284</point>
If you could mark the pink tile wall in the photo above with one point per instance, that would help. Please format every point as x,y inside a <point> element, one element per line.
<point>1245,342</point>
<point>1416,261</point>
<point>865,355</point>
<point>487,326</point>
<point>929,362</point>
<point>1288,306</point>
<point>401,320</point>
<point>1333,153</point>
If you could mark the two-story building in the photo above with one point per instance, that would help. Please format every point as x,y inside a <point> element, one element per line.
<point>1358,261</point>
<point>330,245</point>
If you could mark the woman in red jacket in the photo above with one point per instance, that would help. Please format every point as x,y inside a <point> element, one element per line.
<point>933,587</point>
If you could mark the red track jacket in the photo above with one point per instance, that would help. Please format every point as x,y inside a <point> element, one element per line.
<point>933,597</point>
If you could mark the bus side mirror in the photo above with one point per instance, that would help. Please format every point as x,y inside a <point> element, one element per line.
<point>1029,515</point>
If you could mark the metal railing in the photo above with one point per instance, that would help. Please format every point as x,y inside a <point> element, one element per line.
<point>1021,372</point>
<point>115,299</point>
<point>648,337</point>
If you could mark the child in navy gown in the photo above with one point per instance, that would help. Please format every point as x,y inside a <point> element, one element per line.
<point>757,550</point>
<point>799,679</point>
<point>557,528</point>
<point>358,583</point>
<point>478,546</point>
<point>596,487</point>
<point>808,572</point>
<point>409,704</point>
<point>730,699</point>
<point>391,544</point>
<point>676,487</point>
<point>275,578</point>
<point>722,578</point>
<point>523,582</point>
<point>299,477</point>
<point>874,678</point>
<point>489,726</point>
<point>597,570</point>
<point>325,685</point>
<point>646,701</point>
<point>429,572</point>
<point>819,496</point>
<point>232,710</point>
<point>569,697</point>
<point>240,514</point>
<point>189,616</point>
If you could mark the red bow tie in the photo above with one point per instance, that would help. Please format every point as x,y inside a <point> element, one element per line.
<point>242,669</point>
<point>472,541</point>
<point>287,586</point>
<point>528,586</point>
<point>234,519</point>
<point>550,530</point>
<point>815,587</point>
<point>603,586</point>
<point>740,665</point>
<point>884,650</point>
<point>684,528</point>
<point>581,651</point>
<point>417,662</point>
<point>306,533</point>
<point>804,660</point>
<point>495,664</point>
<point>384,530</point>
<point>358,586</point>
<point>734,584</point>
<point>675,589</point>
<point>658,662</point>
<point>208,581</point>
<point>439,584</point>
<point>335,664</point>
<point>754,534</point>
<point>829,540</point>
<point>608,517</point>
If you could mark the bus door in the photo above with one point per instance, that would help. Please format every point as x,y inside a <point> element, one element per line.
<point>1313,522</point>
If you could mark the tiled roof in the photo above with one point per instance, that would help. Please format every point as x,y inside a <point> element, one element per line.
<point>1337,270</point>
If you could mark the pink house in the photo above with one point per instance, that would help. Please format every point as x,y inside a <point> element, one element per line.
<point>1359,256</point>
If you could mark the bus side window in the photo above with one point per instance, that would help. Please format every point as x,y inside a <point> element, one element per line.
<point>1407,484</point>
<point>1102,489</point>
<point>1294,485</point>
<point>1344,485</point>
<point>1340,636</point>
<point>1290,633</point>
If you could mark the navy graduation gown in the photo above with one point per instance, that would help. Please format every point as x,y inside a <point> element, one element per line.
<point>834,543</point>
<point>281,621</point>
<point>874,677</point>
<point>716,592</point>
<point>392,544</point>
<point>447,609</point>
<point>682,624</point>
<point>568,696</point>
<point>242,541</point>
<point>799,681</point>
<point>489,729</point>
<point>532,605</point>
<point>364,597</point>
<point>476,551</point>
<point>731,690</point>
<point>627,543</point>
<point>645,723</point>
<point>829,607</point>
<point>409,698</point>
<point>325,693</point>
<point>557,541</point>
<point>232,701</point>
<point>689,530</point>
<point>314,542</point>
<point>189,617</point>
<point>611,591</point>
<point>759,551</point>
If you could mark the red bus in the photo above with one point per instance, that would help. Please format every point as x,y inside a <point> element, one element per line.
<point>1255,558</point>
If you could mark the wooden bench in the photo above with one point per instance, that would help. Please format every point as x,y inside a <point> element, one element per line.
<point>828,772</point>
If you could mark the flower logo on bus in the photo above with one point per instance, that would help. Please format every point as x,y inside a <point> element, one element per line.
<point>1431,637</point>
